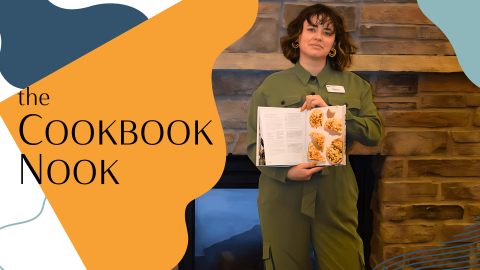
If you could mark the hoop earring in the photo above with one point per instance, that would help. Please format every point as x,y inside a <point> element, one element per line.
<point>295,46</point>
<point>332,52</point>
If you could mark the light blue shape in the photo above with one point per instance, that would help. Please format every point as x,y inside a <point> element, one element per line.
<point>466,233</point>
<point>436,249</point>
<point>433,255</point>
<point>437,260</point>
<point>457,19</point>
<point>18,223</point>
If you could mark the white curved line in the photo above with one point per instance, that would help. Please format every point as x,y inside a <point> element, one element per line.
<point>6,89</point>
<point>149,8</point>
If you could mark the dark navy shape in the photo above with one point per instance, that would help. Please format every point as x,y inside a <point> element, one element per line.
<point>39,38</point>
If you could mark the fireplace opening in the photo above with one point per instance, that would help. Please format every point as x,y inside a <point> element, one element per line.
<point>223,224</point>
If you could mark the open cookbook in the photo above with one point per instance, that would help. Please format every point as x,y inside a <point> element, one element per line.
<point>287,137</point>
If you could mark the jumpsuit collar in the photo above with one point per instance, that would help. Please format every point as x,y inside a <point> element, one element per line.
<point>322,77</point>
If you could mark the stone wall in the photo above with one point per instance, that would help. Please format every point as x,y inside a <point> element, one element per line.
<point>428,187</point>
<point>428,165</point>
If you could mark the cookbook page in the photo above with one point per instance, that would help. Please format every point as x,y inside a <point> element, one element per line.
<point>283,135</point>
<point>325,136</point>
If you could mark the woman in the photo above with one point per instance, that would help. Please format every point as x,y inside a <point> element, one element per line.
<point>304,204</point>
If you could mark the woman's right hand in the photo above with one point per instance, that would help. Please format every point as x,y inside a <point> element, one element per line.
<point>303,171</point>
<point>313,101</point>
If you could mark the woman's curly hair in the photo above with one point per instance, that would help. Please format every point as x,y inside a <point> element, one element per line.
<point>345,47</point>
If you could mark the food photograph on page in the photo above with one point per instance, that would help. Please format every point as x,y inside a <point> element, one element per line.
<point>405,197</point>
<point>327,136</point>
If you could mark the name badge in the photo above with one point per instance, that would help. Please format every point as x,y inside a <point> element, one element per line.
<point>335,89</point>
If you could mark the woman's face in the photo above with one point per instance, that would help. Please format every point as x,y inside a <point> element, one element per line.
<point>315,41</point>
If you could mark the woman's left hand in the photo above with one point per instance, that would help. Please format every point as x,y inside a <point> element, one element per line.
<point>313,101</point>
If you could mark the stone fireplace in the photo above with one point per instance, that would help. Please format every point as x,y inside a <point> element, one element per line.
<point>427,184</point>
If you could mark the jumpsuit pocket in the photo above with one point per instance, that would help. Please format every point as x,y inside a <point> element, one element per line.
<point>288,101</point>
<point>353,104</point>
<point>267,257</point>
<point>362,260</point>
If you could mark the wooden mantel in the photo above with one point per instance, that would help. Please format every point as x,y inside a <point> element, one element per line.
<point>276,61</point>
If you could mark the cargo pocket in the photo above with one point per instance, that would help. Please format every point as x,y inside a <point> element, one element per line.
<point>267,257</point>
<point>284,101</point>
<point>353,104</point>
<point>362,260</point>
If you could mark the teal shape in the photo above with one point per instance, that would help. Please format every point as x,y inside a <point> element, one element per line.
<point>459,21</point>
<point>38,38</point>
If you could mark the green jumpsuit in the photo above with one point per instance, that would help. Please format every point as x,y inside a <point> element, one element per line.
<point>322,210</point>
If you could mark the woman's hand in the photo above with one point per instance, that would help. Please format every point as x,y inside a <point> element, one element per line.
<point>303,171</point>
<point>313,101</point>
